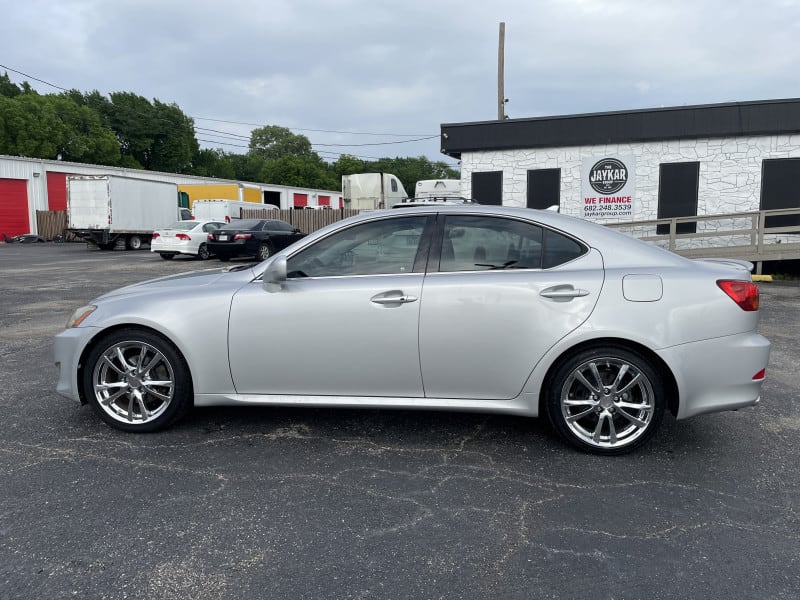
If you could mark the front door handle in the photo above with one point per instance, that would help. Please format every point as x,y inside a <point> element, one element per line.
<point>393,297</point>
<point>563,292</point>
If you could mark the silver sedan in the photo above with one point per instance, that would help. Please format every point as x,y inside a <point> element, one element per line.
<point>471,308</point>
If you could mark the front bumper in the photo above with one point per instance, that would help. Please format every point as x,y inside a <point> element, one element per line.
<point>67,349</point>
<point>717,375</point>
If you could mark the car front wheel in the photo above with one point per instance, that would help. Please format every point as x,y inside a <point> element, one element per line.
<point>606,400</point>
<point>137,381</point>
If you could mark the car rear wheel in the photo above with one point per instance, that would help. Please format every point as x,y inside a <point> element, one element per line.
<point>606,400</point>
<point>203,253</point>
<point>224,257</point>
<point>264,251</point>
<point>167,255</point>
<point>137,381</point>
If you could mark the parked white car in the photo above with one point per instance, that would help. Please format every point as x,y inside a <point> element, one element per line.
<point>184,237</point>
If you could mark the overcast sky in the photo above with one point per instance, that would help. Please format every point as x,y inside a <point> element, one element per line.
<point>403,67</point>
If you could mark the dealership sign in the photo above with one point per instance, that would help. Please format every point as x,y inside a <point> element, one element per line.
<point>608,187</point>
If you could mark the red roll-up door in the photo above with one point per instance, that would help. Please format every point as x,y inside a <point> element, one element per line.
<point>14,207</point>
<point>301,199</point>
<point>341,202</point>
<point>324,200</point>
<point>56,190</point>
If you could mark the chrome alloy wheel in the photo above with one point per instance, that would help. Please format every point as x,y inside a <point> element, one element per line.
<point>607,402</point>
<point>133,382</point>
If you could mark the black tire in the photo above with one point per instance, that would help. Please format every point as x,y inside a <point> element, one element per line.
<point>107,246</point>
<point>223,257</point>
<point>127,388</point>
<point>615,418</point>
<point>264,251</point>
<point>203,253</point>
<point>133,242</point>
<point>166,255</point>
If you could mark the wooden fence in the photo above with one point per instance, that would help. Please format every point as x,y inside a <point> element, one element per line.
<point>306,220</point>
<point>50,223</point>
<point>753,236</point>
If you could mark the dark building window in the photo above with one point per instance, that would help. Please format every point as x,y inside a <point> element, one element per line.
<point>779,182</point>
<point>487,188</point>
<point>677,194</point>
<point>544,188</point>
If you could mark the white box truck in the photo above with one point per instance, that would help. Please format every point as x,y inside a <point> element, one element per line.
<point>372,191</point>
<point>221,209</point>
<point>106,209</point>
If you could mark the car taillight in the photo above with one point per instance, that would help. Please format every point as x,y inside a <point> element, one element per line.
<point>760,375</point>
<point>183,236</point>
<point>156,235</point>
<point>242,236</point>
<point>744,293</point>
<point>210,237</point>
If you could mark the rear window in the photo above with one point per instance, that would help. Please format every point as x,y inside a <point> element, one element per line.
<point>243,224</point>
<point>183,225</point>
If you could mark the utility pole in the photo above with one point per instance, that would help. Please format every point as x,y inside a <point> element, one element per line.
<point>501,94</point>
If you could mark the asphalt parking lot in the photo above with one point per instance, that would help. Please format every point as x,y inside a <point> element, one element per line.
<point>307,503</point>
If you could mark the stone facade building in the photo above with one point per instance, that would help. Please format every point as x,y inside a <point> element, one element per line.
<point>639,164</point>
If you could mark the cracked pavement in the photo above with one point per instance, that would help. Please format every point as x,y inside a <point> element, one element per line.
<point>316,503</point>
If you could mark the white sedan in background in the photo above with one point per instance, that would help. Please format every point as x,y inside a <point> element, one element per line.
<point>184,237</point>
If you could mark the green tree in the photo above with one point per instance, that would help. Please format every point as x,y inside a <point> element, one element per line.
<point>213,163</point>
<point>7,87</point>
<point>273,141</point>
<point>300,171</point>
<point>347,164</point>
<point>155,136</point>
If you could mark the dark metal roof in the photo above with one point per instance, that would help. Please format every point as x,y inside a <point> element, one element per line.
<point>732,119</point>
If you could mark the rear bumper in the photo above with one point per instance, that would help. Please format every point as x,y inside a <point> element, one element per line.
<point>237,248</point>
<point>177,247</point>
<point>717,375</point>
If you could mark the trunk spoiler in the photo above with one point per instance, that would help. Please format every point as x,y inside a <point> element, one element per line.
<point>731,262</point>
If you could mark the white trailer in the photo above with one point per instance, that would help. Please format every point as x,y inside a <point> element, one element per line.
<point>438,188</point>
<point>104,209</point>
<point>371,191</point>
<point>224,210</point>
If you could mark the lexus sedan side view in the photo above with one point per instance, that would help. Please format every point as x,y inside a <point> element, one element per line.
<point>259,238</point>
<point>471,308</point>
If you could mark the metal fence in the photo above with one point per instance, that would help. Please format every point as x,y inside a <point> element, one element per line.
<point>755,236</point>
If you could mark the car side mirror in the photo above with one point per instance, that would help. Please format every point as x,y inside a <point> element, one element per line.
<point>275,275</point>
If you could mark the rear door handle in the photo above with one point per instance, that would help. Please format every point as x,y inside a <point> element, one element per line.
<point>563,292</point>
<point>393,297</point>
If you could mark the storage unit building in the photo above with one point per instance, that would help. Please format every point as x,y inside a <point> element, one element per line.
<point>28,185</point>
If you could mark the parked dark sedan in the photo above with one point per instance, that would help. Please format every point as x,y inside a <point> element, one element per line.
<point>252,237</point>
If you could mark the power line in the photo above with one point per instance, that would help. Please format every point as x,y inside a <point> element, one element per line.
<point>315,130</point>
<point>53,85</point>
<point>237,137</point>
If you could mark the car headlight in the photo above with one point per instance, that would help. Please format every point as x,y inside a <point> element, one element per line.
<point>79,315</point>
